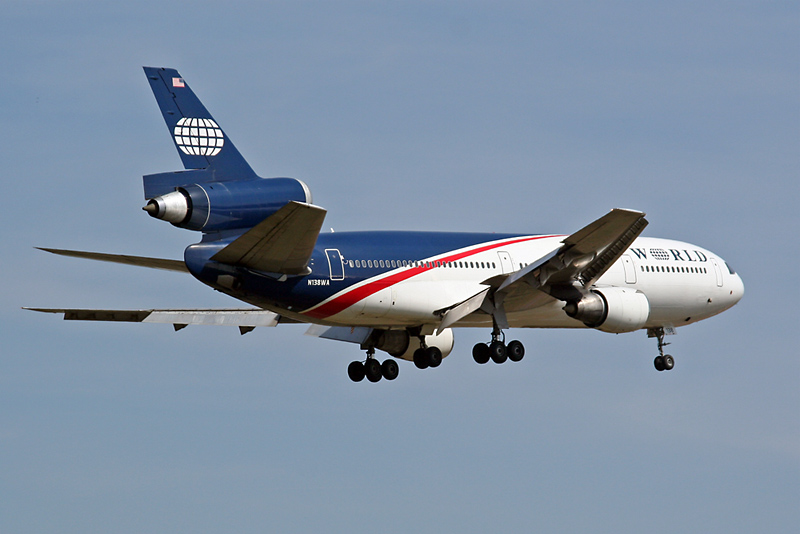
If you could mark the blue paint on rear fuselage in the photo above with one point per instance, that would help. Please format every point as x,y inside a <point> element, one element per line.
<point>298,293</point>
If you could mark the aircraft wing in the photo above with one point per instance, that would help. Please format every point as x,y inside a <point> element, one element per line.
<point>581,259</point>
<point>281,243</point>
<point>585,255</point>
<point>246,319</point>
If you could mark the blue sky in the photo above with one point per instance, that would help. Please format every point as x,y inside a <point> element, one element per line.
<point>502,116</point>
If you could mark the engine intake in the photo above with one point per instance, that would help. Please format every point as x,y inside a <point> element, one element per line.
<point>613,309</point>
<point>218,206</point>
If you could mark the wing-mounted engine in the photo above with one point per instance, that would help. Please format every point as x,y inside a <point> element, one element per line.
<point>611,309</point>
<point>215,206</point>
<point>400,344</point>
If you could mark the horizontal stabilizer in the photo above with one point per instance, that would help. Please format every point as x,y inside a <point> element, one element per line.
<point>139,261</point>
<point>281,243</point>
<point>248,318</point>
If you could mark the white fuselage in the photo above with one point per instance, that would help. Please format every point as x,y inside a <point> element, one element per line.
<point>683,283</point>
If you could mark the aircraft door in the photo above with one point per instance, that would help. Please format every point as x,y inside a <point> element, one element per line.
<point>717,272</point>
<point>630,269</point>
<point>335,263</point>
<point>505,262</point>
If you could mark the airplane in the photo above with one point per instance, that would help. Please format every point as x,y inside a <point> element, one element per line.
<point>399,292</point>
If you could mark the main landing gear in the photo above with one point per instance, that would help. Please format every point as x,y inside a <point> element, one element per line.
<point>663,362</point>
<point>497,350</point>
<point>372,369</point>
<point>425,357</point>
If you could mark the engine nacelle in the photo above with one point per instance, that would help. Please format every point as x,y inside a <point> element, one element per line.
<point>611,309</point>
<point>215,206</point>
<point>400,344</point>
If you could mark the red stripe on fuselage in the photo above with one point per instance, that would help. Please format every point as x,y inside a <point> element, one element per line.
<point>349,297</point>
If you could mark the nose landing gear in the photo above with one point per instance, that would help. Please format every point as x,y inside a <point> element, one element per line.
<point>663,362</point>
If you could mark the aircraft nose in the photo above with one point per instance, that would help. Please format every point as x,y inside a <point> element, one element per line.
<point>737,289</point>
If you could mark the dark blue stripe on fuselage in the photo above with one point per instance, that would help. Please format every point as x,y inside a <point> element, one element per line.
<point>299,293</point>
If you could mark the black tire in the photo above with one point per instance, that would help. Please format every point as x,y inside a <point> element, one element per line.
<point>372,369</point>
<point>669,362</point>
<point>515,351</point>
<point>659,363</point>
<point>389,369</point>
<point>420,359</point>
<point>480,353</point>
<point>497,351</point>
<point>434,356</point>
<point>356,371</point>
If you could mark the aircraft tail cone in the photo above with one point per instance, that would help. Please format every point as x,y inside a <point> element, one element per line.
<point>151,208</point>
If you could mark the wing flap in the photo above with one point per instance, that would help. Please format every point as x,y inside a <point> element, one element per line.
<point>461,310</point>
<point>281,243</point>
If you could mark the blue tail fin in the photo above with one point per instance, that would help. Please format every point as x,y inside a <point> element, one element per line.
<point>200,142</point>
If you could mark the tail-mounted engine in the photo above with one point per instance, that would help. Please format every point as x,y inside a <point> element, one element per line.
<point>612,309</point>
<point>215,206</point>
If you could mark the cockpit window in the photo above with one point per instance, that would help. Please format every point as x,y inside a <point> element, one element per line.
<point>730,269</point>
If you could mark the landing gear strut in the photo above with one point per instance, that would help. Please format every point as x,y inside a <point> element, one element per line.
<point>372,369</point>
<point>663,362</point>
<point>497,350</point>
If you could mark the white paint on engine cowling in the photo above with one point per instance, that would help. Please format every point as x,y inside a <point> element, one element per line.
<point>172,207</point>
<point>444,342</point>
<point>626,309</point>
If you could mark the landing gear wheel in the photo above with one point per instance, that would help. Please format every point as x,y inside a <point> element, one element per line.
<point>497,351</point>
<point>663,362</point>
<point>356,371</point>
<point>421,359</point>
<point>372,369</point>
<point>434,356</point>
<point>480,353</point>
<point>390,370</point>
<point>515,351</point>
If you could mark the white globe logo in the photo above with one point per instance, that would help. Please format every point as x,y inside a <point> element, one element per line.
<point>199,137</point>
